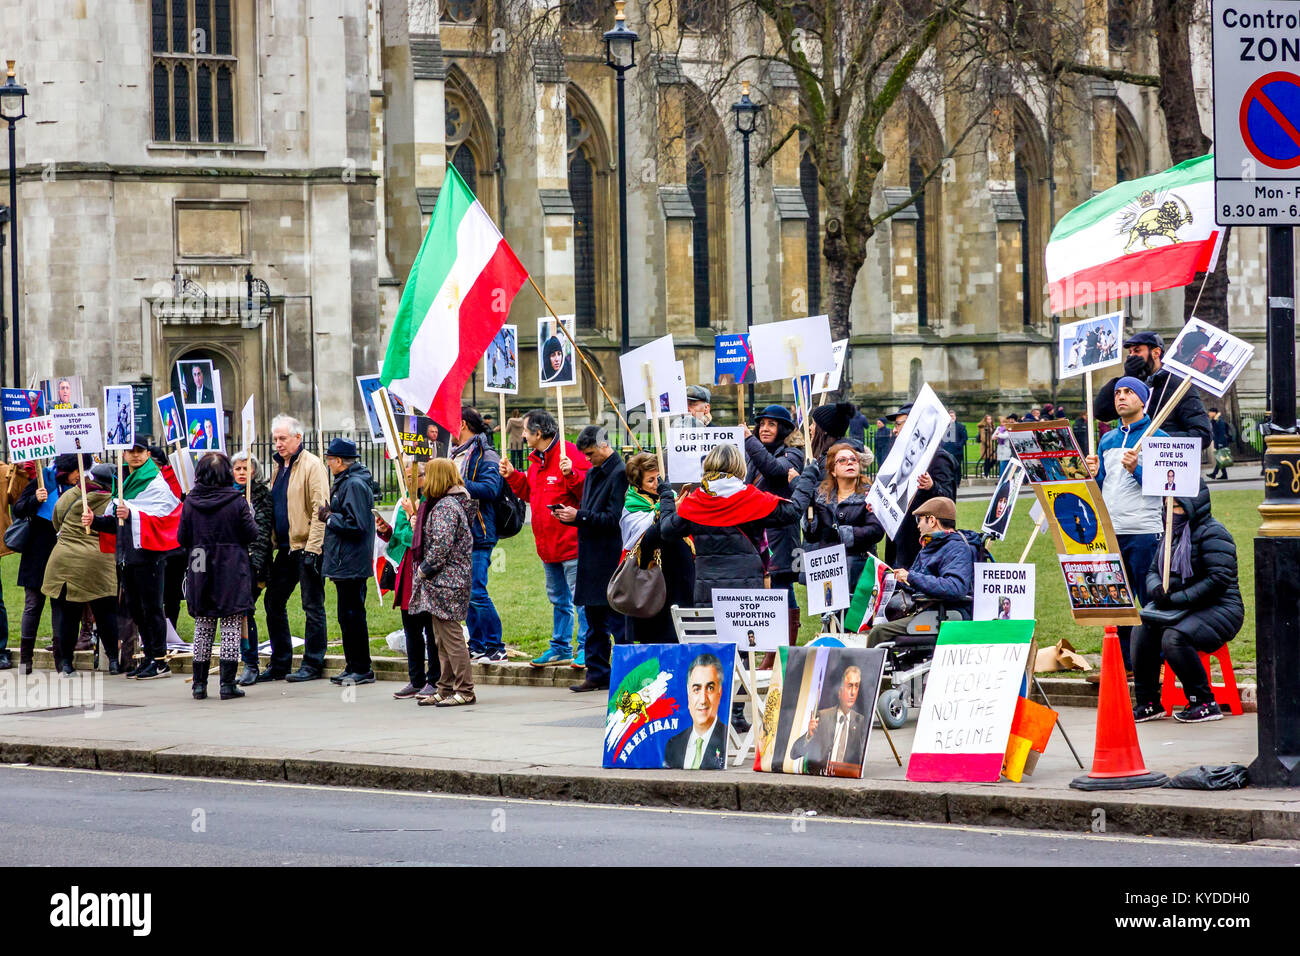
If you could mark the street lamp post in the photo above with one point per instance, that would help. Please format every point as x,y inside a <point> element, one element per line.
<point>746,111</point>
<point>13,107</point>
<point>620,56</point>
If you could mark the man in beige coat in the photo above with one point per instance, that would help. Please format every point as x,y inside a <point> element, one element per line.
<point>299,488</point>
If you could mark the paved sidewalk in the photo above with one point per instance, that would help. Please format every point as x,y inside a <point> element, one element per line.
<point>545,742</point>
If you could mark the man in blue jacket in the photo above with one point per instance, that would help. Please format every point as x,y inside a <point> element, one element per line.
<point>480,467</point>
<point>349,554</point>
<point>1137,518</point>
<point>944,570</point>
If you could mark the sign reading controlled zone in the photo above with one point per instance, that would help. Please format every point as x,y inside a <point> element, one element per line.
<point>1256,57</point>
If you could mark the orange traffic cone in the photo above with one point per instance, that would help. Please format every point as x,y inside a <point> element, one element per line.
<point>1117,760</point>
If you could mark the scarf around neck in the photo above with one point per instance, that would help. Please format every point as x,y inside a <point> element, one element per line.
<point>1180,554</point>
<point>139,479</point>
<point>724,500</point>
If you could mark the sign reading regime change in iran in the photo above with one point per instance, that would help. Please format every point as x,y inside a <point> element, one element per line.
<point>31,439</point>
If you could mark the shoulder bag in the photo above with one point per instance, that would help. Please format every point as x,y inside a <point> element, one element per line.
<point>637,591</point>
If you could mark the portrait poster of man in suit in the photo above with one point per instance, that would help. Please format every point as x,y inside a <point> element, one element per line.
<point>702,745</point>
<point>196,382</point>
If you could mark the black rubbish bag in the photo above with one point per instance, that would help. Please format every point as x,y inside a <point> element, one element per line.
<point>1231,777</point>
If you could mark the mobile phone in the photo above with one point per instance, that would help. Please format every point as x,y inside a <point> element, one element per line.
<point>555,507</point>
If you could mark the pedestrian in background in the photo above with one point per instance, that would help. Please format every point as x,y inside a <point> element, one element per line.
<point>480,469</point>
<point>247,469</point>
<point>349,554</point>
<point>988,446</point>
<point>1002,443</point>
<point>1222,444</point>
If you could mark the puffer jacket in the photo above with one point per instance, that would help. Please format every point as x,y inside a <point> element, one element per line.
<point>216,529</point>
<point>945,570</point>
<point>259,552</point>
<point>441,583</point>
<point>847,522</point>
<point>1213,595</point>
<point>769,467</point>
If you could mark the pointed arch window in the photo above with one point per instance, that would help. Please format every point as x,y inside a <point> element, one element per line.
<point>582,195</point>
<point>194,66</point>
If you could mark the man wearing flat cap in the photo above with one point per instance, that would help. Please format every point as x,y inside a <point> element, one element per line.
<point>348,554</point>
<point>944,570</point>
<point>1145,357</point>
<point>698,407</point>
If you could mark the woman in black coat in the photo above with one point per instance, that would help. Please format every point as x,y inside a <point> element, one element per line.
<point>259,554</point>
<point>216,528</point>
<point>771,464</point>
<point>840,511</point>
<point>36,504</point>
<point>640,522</point>
<point>1203,584</point>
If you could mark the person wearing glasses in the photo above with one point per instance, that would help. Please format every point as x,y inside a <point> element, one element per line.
<point>840,513</point>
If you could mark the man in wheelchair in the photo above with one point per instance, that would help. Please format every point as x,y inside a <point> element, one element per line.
<point>941,578</point>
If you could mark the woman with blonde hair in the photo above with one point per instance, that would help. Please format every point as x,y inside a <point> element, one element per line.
<point>442,545</point>
<point>840,513</point>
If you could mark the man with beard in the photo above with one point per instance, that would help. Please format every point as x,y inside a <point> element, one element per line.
<point>1145,355</point>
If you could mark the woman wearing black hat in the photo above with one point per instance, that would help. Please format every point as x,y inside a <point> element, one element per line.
<point>771,463</point>
<point>36,504</point>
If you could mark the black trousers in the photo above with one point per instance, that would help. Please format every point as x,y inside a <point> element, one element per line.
<point>602,625</point>
<point>352,624</point>
<point>248,646</point>
<point>142,583</point>
<point>173,582</point>
<point>288,572</point>
<point>1180,650</point>
<point>421,647</point>
<point>67,618</point>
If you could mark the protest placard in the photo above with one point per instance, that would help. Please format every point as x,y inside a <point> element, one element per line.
<point>661,358</point>
<point>368,385</point>
<point>672,397</point>
<point>1003,592</point>
<point>908,458</point>
<point>142,408</point>
<point>182,463</point>
<point>30,439</point>
<point>827,573</point>
<point>1171,466</point>
<point>64,392</point>
<point>555,362</point>
<point>76,430</point>
<point>783,350</point>
<point>172,429</point>
<point>752,620</point>
<point>1090,344</point>
<point>1098,589</point>
<point>501,362</point>
<point>1047,451</point>
<point>688,447</point>
<point>203,428</point>
<point>970,700</point>
<point>247,425</point>
<point>1211,358</point>
<point>20,403</point>
<point>119,418</point>
<point>733,363</point>
<point>829,381</point>
<point>1003,503</point>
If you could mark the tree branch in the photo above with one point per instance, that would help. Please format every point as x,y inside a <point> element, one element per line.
<point>1108,73</point>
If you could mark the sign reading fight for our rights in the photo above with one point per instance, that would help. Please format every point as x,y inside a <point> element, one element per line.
<point>31,439</point>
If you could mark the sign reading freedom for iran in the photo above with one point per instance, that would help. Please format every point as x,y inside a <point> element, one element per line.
<point>753,620</point>
<point>1003,592</point>
<point>688,447</point>
<point>970,701</point>
<point>32,439</point>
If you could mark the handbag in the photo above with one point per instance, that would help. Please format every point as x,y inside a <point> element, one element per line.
<point>16,535</point>
<point>634,590</point>
<point>1162,617</point>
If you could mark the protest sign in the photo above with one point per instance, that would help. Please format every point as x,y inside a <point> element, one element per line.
<point>783,350</point>
<point>668,706</point>
<point>501,362</point>
<point>77,430</point>
<point>970,700</point>
<point>247,425</point>
<point>752,620</point>
<point>908,458</point>
<point>1038,518</point>
<point>182,463</point>
<point>733,362</point>
<point>413,436</point>
<point>368,385</point>
<point>198,382</point>
<point>672,397</point>
<point>555,362</point>
<point>1098,589</point>
<point>20,403</point>
<point>827,573</point>
<point>823,722</point>
<point>688,447</point>
<point>62,392</point>
<point>829,381</point>
<point>1003,592</point>
<point>1075,507</point>
<point>142,408</point>
<point>31,439</point>
<point>119,418</point>
<point>661,358</point>
<point>170,416</point>
<point>1171,466</point>
<point>998,516</point>
<point>1209,357</point>
<point>1090,344</point>
<point>1047,451</point>
<point>202,427</point>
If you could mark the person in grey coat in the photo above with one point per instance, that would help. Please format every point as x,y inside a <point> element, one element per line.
<point>349,554</point>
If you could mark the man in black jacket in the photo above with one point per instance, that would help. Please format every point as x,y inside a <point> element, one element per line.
<point>1145,354</point>
<point>349,553</point>
<point>939,481</point>
<point>600,544</point>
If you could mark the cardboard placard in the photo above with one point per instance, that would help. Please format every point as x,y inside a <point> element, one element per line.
<point>1097,586</point>
<point>908,458</point>
<point>1002,505</point>
<point>829,381</point>
<point>556,364</point>
<point>733,362</point>
<point>1003,592</point>
<point>182,463</point>
<point>970,701</point>
<point>688,447</point>
<point>1171,466</point>
<point>752,620</point>
<point>31,439</point>
<point>247,425</point>
<point>173,430</point>
<point>1210,357</point>
<point>661,358</point>
<point>368,385</point>
<point>827,573</point>
<point>76,430</point>
<point>20,403</point>
<point>774,360</point>
<point>119,418</point>
<point>1090,344</point>
<point>501,362</point>
<point>1047,451</point>
<point>64,392</point>
<point>672,397</point>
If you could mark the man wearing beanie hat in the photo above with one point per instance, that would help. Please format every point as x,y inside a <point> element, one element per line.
<point>1136,517</point>
<point>944,571</point>
<point>1145,355</point>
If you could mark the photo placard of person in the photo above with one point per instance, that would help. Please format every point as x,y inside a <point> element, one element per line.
<point>668,706</point>
<point>997,518</point>
<point>970,701</point>
<point>555,363</point>
<point>501,362</point>
<point>20,403</point>
<point>688,447</point>
<point>198,382</point>
<point>776,360</point>
<point>908,459</point>
<point>1098,589</point>
<point>368,385</point>
<point>62,392</point>
<point>827,571</point>
<point>818,716</point>
<point>1087,345</point>
<point>32,439</point>
<point>1003,592</point>
<point>203,427</point>
<point>752,620</point>
<point>1207,357</point>
<point>119,418</point>
<point>173,430</point>
<point>829,381</point>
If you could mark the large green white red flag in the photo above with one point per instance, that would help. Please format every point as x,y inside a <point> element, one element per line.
<point>1141,236</point>
<point>456,298</point>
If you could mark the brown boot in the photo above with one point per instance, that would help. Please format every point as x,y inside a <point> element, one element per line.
<point>795,621</point>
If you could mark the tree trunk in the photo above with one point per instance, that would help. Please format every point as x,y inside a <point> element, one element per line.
<point>844,258</point>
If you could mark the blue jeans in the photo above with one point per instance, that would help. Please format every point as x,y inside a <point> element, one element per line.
<point>1138,551</point>
<point>483,621</point>
<point>561,581</point>
<point>1003,465</point>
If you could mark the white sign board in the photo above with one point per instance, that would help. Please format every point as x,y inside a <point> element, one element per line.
<point>829,381</point>
<point>1003,592</point>
<point>31,439</point>
<point>752,620</point>
<point>827,573</point>
<point>1038,518</point>
<point>688,447</point>
<point>661,358</point>
<point>1090,344</point>
<point>119,418</point>
<point>1256,75</point>
<point>1210,357</point>
<point>76,430</point>
<point>182,463</point>
<point>247,425</point>
<point>784,350</point>
<point>672,397</point>
<point>908,458</point>
<point>1171,466</point>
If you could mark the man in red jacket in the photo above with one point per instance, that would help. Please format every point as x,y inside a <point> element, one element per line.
<point>556,472</point>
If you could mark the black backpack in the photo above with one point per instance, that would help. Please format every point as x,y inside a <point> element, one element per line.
<point>509,512</point>
<point>978,542</point>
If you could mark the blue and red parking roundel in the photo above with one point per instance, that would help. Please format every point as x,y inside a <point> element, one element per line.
<point>1270,120</point>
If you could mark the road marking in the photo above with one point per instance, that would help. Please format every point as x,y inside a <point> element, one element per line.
<point>737,814</point>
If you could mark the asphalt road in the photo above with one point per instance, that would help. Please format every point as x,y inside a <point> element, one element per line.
<point>89,818</point>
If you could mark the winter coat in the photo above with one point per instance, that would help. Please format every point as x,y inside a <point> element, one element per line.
<point>40,531</point>
<point>350,527</point>
<point>481,472</point>
<point>77,560</point>
<point>988,446</point>
<point>217,527</point>
<point>599,543</point>
<point>943,470</point>
<point>546,485</point>
<point>726,555</point>
<point>1222,433</point>
<point>308,487</point>
<point>441,583</point>
<point>1213,595</point>
<point>1188,420</point>
<point>844,521</point>
<point>769,468</point>
<point>260,550</point>
<point>945,570</point>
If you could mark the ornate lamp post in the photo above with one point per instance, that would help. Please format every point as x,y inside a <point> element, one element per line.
<point>13,107</point>
<point>620,56</point>
<point>746,111</point>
